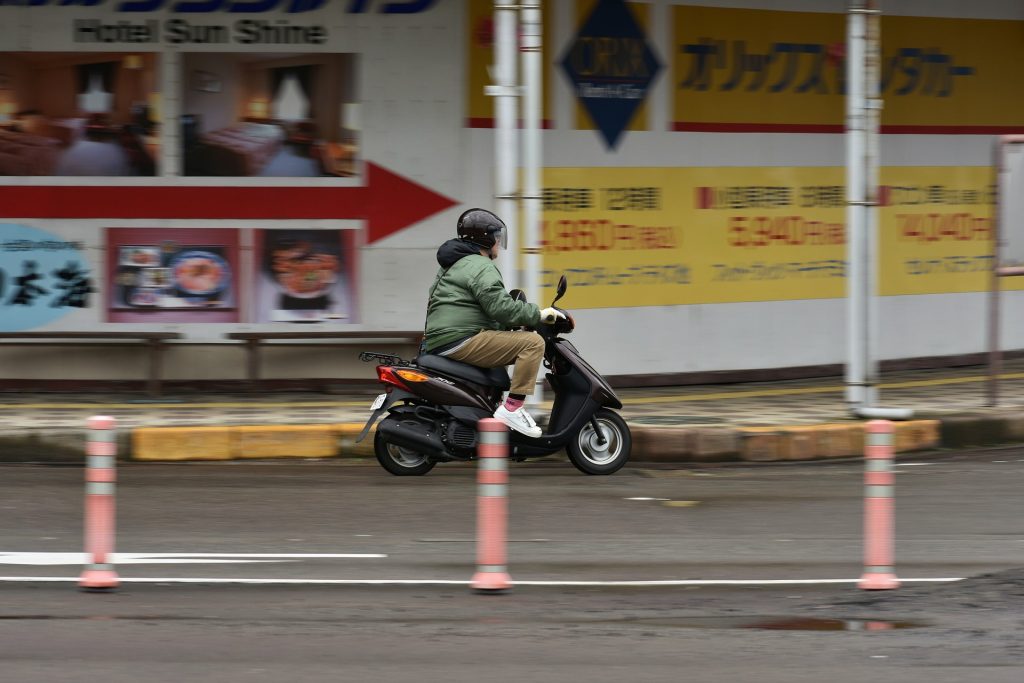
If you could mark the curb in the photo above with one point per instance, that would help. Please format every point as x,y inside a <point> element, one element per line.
<point>168,444</point>
<point>659,444</point>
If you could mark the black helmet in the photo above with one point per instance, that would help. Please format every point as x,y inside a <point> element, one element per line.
<point>482,228</point>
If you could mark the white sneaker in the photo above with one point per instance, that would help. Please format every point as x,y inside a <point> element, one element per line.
<point>518,420</point>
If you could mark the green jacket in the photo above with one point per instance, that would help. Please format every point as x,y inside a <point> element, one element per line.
<point>468,296</point>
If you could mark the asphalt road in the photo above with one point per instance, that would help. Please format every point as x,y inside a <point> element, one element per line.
<point>386,597</point>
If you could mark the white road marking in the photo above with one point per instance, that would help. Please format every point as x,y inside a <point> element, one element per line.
<point>473,540</point>
<point>56,559</point>
<point>444,582</point>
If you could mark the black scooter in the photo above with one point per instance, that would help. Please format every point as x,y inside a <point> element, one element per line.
<point>433,405</point>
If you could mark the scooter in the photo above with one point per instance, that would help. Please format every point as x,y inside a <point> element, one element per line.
<point>433,405</point>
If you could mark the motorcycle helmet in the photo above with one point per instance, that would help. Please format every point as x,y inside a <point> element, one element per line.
<point>482,228</point>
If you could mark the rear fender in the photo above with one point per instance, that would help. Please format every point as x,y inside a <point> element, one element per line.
<point>392,398</point>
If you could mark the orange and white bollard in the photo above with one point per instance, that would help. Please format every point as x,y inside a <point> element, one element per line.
<point>492,508</point>
<point>100,475</point>
<point>879,524</point>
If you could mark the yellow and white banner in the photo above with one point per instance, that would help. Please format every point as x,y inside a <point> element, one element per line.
<point>672,236</point>
<point>744,69</point>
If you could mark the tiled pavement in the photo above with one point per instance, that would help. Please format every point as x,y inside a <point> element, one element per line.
<point>930,393</point>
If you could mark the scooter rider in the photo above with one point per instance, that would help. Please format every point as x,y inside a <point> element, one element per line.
<point>470,314</point>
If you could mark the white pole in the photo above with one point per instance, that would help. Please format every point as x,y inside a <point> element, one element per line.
<point>872,114</point>
<point>532,31</point>
<point>532,78</point>
<point>855,150</point>
<point>863,106</point>
<point>505,92</point>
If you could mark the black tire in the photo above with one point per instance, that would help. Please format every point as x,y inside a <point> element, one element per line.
<point>590,457</point>
<point>401,461</point>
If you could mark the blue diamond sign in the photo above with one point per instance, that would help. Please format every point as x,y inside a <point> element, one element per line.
<point>611,66</point>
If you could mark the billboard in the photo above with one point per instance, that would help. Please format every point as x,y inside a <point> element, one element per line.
<point>673,236</point>
<point>43,277</point>
<point>480,59</point>
<point>79,114</point>
<point>172,275</point>
<point>767,70</point>
<point>272,115</point>
<point>611,66</point>
<point>304,276</point>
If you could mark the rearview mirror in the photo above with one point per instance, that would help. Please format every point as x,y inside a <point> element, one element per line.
<point>560,291</point>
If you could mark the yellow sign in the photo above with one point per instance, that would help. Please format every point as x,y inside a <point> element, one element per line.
<point>742,69</point>
<point>672,236</point>
<point>480,57</point>
<point>936,230</point>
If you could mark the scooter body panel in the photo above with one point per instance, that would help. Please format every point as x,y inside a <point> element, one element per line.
<point>444,391</point>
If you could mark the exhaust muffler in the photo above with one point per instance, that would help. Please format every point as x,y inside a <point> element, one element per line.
<point>414,435</point>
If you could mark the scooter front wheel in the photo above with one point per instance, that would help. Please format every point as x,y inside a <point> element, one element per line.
<point>401,461</point>
<point>603,453</point>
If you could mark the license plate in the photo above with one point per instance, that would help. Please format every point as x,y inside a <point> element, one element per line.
<point>378,402</point>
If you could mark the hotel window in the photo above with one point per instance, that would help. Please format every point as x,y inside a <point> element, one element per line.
<point>292,87</point>
<point>95,87</point>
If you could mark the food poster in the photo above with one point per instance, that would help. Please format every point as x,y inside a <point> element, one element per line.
<point>172,275</point>
<point>304,276</point>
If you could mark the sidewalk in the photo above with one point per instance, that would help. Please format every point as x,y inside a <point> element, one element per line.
<point>765,421</point>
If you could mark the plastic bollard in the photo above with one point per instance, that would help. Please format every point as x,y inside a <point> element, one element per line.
<point>492,508</point>
<point>879,522</point>
<point>100,476</point>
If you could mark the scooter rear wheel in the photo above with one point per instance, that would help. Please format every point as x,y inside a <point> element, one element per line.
<point>590,456</point>
<point>401,461</point>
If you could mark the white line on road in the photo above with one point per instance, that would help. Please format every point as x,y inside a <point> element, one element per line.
<point>54,559</point>
<point>444,582</point>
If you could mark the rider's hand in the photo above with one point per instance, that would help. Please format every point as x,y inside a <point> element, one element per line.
<point>550,315</point>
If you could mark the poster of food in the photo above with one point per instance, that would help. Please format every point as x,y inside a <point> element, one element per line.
<point>304,276</point>
<point>172,275</point>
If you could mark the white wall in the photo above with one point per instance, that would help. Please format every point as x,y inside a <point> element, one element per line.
<point>412,75</point>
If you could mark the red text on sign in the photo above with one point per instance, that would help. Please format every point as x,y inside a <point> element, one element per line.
<point>766,231</point>
<point>939,227</point>
<point>603,235</point>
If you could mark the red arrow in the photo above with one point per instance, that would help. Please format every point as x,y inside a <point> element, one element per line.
<point>388,202</point>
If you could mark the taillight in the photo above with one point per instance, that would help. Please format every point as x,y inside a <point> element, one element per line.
<point>399,376</point>
<point>386,374</point>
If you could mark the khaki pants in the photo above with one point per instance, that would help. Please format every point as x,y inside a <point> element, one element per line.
<point>493,349</point>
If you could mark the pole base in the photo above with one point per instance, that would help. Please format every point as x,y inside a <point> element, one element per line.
<point>872,581</point>
<point>491,582</point>
<point>99,580</point>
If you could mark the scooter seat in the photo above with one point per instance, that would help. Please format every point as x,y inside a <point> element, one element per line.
<point>491,377</point>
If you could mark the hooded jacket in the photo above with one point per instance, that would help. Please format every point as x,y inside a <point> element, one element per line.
<point>468,296</point>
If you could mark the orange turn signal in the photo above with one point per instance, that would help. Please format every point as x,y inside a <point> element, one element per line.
<point>412,375</point>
